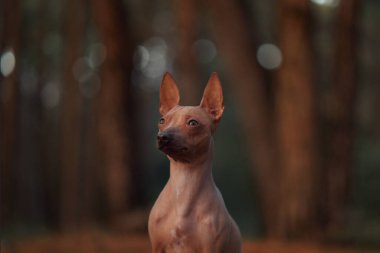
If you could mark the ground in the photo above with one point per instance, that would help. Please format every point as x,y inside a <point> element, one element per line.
<point>99,242</point>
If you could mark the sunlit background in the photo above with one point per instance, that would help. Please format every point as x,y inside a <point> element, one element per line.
<point>297,153</point>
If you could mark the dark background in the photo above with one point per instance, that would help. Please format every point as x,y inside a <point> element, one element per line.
<point>297,153</point>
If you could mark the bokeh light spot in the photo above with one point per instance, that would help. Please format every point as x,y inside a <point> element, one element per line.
<point>269,56</point>
<point>204,50</point>
<point>97,55</point>
<point>7,63</point>
<point>50,95</point>
<point>329,3</point>
<point>82,70</point>
<point>156,65</point>
<point>141,57</point>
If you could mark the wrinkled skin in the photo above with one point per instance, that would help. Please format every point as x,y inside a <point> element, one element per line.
<point>189,214</point>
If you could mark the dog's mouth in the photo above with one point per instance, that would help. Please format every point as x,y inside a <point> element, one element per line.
<point>172,149</point>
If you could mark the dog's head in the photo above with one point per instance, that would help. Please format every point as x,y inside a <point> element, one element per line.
<point>185,132</point>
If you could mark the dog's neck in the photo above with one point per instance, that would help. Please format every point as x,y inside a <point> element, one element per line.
<point>189,181</point>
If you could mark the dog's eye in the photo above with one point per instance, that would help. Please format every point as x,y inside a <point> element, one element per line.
<point>162,121</point>
<point>193,122</point>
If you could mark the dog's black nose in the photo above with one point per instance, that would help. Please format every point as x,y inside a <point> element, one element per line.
<point>163,139</point>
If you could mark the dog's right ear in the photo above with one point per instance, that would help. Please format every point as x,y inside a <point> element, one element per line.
<point>169,94</point>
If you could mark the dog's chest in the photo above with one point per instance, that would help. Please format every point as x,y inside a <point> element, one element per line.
<point>186,232</point>
<point>180,234</point>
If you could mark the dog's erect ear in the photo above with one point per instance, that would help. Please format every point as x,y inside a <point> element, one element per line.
<point>212,100</point>
<point>169,94</point>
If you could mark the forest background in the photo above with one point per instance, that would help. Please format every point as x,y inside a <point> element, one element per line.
<point>297,152</point>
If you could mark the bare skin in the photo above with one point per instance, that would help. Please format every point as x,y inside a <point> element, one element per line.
<point>189,214</point>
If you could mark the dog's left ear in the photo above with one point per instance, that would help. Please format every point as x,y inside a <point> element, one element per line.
<point>212,100</point>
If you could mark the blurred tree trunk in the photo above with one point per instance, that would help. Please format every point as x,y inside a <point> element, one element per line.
<point>10,40</point>
<point>49,181</point>
<point>114,99</point>
<point>70,184</point>
<point>234,43</point>
<point>187,17</point>
<point>342,102</point>
<point>296,115</point>
<point>91,169</point>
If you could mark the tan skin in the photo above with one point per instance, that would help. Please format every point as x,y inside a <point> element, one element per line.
<point>189,214</point>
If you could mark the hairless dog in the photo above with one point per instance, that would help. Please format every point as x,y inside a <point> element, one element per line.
<point>189,214</point>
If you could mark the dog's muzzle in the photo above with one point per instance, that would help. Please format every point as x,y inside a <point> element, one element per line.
<point>164,139</point>
<point>170,144</point>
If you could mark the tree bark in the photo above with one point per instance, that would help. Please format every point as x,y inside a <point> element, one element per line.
<point>70,184</point>
<point>186,13</point>
<point>110,20</point>
<point>11,39</point>
<point>341,114</point>
<point>296,121</point>
<point>235,46</point>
